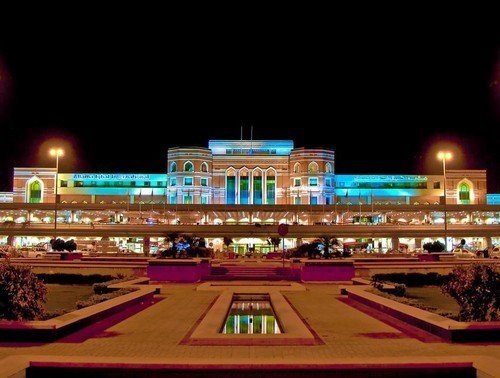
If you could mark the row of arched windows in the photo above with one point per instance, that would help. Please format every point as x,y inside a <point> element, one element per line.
<point>313,167</point>
<point>188,167</point>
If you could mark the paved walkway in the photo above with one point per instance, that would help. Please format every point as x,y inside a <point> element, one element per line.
<point>156,333</point>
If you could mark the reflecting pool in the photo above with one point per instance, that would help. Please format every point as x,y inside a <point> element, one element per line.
<point>251,315</point>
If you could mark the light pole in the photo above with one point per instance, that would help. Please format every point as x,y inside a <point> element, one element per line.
<point>56,152</point>
<point>445,155</point>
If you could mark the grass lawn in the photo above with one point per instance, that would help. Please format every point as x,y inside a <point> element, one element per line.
<point>433,297</point>
<point>61,297</point>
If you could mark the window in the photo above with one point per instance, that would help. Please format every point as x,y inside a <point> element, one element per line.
<point>270,189</point>
<point>173,181</point>
<point>328,182</point>
<point>159,183</point>
<point>204,167</point>
<point>147,183</point>
<point>296,168</point>
<point>204,200</point>
<point>231,190</point>
<point>204,181</point>
<point>64,183</point>
<point>188,167</point>
<point>132,183</point>
<point>464,192</point>
<point>437,185</point>
<point>173,167</point>
<point>188,199</point>
<point>173,198</point>
<point>313,167</point>
<point>314,200</point>
<point>78,184</point>
<point>257,188</point>
<point>35,192</point>
<point>328,168</point>
<point>313,181</point>
<point>328,200</point>
<point>244,190</point>
<point>188,181</point>
<point>296,182</point>
<point>296,200</point>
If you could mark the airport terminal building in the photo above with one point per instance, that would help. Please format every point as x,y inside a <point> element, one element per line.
<point>247,172</point>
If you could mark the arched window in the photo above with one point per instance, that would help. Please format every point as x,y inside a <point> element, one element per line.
<point>204,167</point>
<point>328,168</point>
<point>296,168</point>
<point>35,195</point>
<point>173,167</point>
<point>230,187</point>
<point>464,192</point>
<point>313,167</point>
<point>188,166</point>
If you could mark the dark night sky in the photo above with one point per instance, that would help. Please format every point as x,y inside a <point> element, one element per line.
<point>380,98</point>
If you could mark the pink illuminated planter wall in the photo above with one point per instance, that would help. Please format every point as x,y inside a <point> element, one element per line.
<point>342,270</point>
<point>178,270</point>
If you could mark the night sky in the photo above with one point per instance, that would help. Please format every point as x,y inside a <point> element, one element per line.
<point>381,99</point>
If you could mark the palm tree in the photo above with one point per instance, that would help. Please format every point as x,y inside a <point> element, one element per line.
<point>328,241</point>
<point>274,241</point>
<point>227,241</point>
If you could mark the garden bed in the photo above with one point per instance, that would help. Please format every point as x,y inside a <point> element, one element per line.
<point>441,326</point>
<point>124,295</point>
<point>428,298</point>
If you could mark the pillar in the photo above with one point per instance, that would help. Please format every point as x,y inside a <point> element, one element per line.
<point>395,243</point>
<point>146,245</point>
<point>418,242</point>
<point>489,242</point>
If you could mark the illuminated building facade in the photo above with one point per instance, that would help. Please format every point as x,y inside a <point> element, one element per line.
<point>247,172</point>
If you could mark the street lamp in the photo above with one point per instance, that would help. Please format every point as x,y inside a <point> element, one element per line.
<point>56,152</point>
<point>445,155</point>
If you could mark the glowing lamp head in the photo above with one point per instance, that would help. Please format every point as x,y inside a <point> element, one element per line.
<point>444,155</point>
<point>56,152</point>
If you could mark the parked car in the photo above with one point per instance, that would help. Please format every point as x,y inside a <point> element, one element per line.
<point>463,253</point>
<point>495,252</point>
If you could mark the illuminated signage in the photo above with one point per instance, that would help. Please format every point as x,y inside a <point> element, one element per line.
<point>390,178</point>
<point>110,176</point>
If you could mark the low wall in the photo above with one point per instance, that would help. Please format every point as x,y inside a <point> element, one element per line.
<point>178,270</point>
<point>51,329</point>
<point>327,270</point>
<point>112,268</point>
<point>368,269</point>
<point>443,327</point>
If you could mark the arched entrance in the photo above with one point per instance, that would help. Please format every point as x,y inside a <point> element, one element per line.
<point>35,192</point>
<point>464,194</point>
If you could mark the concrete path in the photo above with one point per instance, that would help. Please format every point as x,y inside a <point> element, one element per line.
<point>347,332</point>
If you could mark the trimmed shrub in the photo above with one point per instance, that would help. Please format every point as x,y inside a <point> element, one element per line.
<point>413,279</point>
<point>476,289</point>
<point>436,246</point>
<point>99,298</point>
<point>399,290</point>
<point>102,287</point>
<point>73,279</point>
<point>22,294</point>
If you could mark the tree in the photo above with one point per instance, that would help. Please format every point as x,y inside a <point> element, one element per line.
<point>327,241</point>
<point>227,241</point>
<point>274,241</point>
<point>70,245</point>
<point>476,288</point>
<point>22,294</point>
<point>437,246</point>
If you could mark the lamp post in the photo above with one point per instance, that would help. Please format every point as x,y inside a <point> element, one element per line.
<point>56,152</point>
<point>445,155</point>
